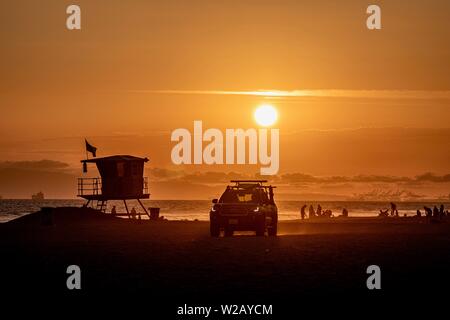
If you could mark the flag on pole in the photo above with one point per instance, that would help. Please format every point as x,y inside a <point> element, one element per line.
<point>90,148</point>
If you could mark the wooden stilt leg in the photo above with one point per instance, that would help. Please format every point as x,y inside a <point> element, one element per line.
<point>126,207</point>
<point>145,210</point>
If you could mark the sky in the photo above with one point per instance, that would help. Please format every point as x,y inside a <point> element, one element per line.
<point>352,102</point>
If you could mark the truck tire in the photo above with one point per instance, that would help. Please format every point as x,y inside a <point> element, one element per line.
<point>214,228</point>
<point>273,229</point>
<point>260,226</point>
<point>228,232</point>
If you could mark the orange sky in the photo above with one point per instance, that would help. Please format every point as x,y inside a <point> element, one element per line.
<point>139,69</point>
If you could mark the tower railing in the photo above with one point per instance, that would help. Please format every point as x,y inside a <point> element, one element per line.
<point>89,186</point>
<point>93,186</point>
<point>145,186</point>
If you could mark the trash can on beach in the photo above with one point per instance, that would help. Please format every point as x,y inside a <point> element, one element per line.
<point>154,213</point>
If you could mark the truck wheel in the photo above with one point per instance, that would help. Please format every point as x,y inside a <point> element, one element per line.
<point>273,229</point>
<point>228,232</point>
<point>214,228</point>
<point>260,226</point>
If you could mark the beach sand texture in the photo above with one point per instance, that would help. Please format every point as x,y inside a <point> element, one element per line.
<point>178,259</point>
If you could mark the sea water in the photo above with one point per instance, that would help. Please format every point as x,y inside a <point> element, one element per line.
<point>199,209</point>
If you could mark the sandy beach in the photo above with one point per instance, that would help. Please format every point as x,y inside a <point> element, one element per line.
<point>179,261</point>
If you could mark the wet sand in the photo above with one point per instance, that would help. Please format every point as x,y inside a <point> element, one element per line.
<point>179,261</point>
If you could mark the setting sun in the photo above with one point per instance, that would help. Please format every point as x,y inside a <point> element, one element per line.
<point>266,115</point>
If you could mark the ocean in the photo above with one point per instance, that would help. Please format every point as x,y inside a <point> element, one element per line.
<point>199,209</point>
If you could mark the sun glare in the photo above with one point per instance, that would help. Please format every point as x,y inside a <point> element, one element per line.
<point>266,115</point>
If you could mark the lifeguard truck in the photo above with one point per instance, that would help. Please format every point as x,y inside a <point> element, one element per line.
<point>247,205</point>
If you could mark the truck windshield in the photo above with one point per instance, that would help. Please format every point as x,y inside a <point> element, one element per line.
<point>240,196</point>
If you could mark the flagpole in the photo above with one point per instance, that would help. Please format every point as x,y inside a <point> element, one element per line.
<point>85,148</point>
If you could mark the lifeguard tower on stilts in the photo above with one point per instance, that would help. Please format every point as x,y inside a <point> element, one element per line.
<point>121,178</point>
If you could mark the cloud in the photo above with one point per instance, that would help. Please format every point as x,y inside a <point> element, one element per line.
<point>325,93</point>
<point>40,165</point>
<point>298,178</point>
<point>162,173</point>
<point>208,177</point>
<point>387,195</point>
<point>20,179</point>
<point>57,180</point>
<point>430,177</point>
<point>379,178</point>
<point>295,178</point>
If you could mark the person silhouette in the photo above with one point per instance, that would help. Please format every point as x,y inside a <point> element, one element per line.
<point>384,213</point>
<point>435,212</point>
<point>428,211</point>
<point>113,210</point>
<point>133,213</point>
<point>441,212</point>
<point>319,210</point>
<point>345,212</point>
<point>312,214</point>
<point>394,211</point>
<point>303,212</point>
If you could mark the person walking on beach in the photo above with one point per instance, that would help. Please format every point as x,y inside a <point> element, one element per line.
<point>312,214</point>
<point>345,212</point>
<point>441,212</point>
<point>303,212</point>
<point>394,211</point>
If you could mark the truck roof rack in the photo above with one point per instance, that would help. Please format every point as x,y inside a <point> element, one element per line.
<point>239,181</point>
<point>250,184</point>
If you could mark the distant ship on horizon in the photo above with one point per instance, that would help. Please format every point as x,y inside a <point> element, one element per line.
<point>38,196</point>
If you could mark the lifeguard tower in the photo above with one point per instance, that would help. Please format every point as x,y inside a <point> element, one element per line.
<point>121,178</point>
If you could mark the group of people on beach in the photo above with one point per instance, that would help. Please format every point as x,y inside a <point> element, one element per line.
<point>319,213</point>
<point>393,211</point>
<point>435,213</point>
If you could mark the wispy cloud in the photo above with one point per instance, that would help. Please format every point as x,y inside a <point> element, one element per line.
<point>325,93</point>
<point>294,178</point>
<point>33,165</point>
